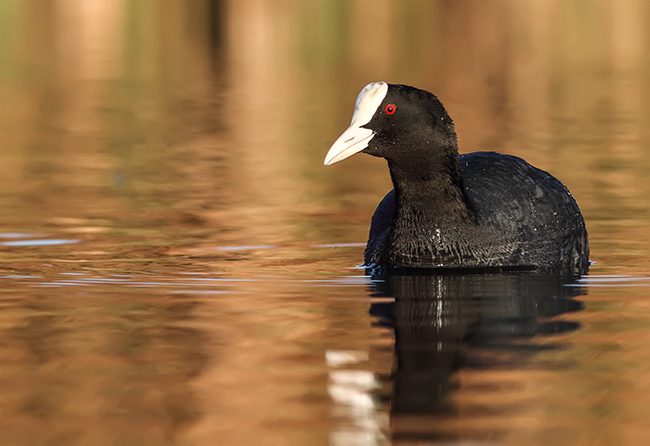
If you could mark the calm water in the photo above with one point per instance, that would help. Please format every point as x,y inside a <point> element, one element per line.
<point>179,268</point>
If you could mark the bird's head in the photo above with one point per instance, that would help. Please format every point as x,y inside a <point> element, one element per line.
<point>396,122</point>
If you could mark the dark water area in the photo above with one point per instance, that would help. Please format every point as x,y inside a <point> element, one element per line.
<point>177,267</point>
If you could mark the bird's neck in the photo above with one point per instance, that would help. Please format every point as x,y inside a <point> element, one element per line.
<point>431,190</point>
<point>430,206</point>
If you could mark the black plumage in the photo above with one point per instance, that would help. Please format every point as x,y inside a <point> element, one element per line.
<point>478,210</point>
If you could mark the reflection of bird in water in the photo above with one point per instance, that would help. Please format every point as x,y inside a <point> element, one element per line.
<point>480,209</point>
<point>437,318</point>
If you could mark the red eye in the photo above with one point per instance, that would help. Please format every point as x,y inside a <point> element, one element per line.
<point>390,109</point>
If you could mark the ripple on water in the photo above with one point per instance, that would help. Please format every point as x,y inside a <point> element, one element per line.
<point>41,242</point>
<point>611,281</point>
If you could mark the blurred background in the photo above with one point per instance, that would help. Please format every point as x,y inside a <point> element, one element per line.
<point>149,137</point>
<point>115,107</point>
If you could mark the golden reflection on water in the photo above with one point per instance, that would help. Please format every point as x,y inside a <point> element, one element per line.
<point>157,133</point>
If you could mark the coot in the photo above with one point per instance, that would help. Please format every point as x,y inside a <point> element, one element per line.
<point>477,210</point>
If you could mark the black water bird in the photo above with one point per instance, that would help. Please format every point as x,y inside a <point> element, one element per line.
<point>476,210</point>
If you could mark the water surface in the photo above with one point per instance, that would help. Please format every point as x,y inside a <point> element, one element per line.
<point>179,268</point>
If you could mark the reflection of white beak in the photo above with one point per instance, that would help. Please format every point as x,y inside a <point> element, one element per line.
<point>356,138</point>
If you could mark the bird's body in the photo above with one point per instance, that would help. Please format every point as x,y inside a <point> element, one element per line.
<point>517,216</point>
<point>478,210</point>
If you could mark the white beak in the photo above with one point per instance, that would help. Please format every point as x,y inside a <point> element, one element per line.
<point>356,138</point>
<point>352,141</point>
